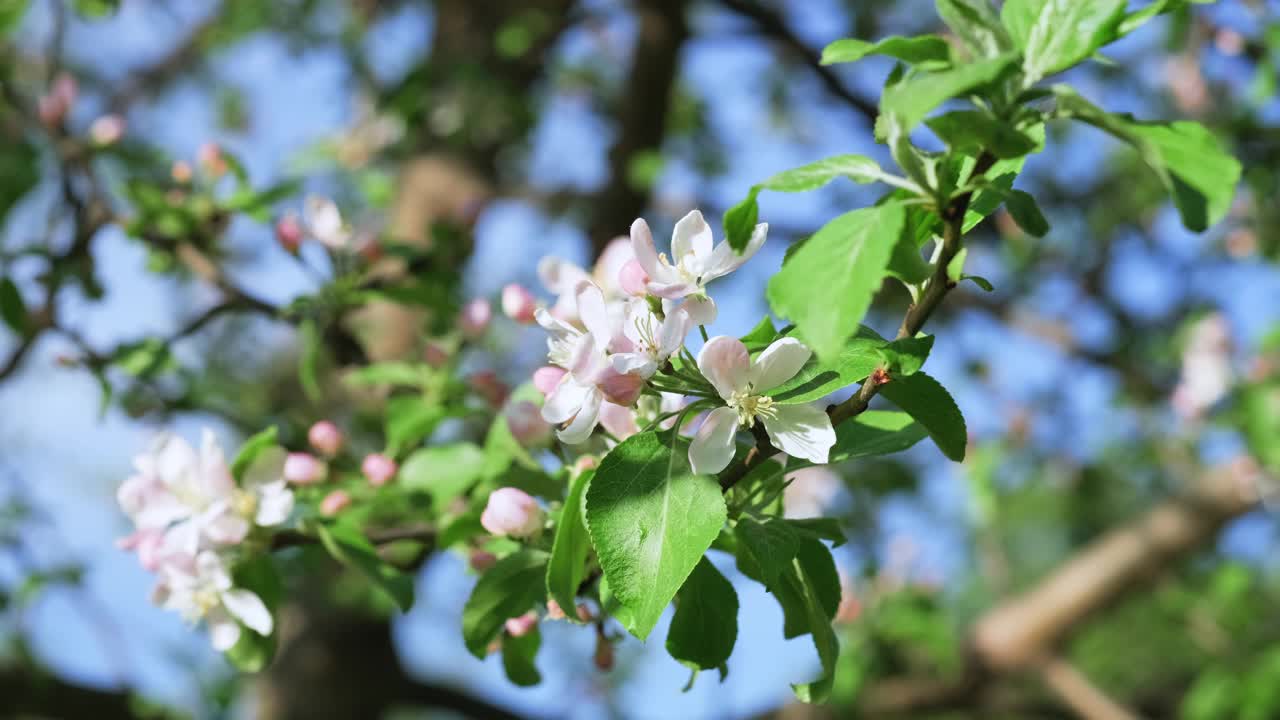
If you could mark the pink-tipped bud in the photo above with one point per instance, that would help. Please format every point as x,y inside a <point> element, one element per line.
<point>54,105</point>
<point>180,172</point>
<point>554,611</point>
<point>487,385</point>
<point>378,468</point>
<point>335,502</point>
<point>474,318</point>
<point>633,279</point>
<point>289,232</point>
<point>211,159</point>
<point>585,463</point>
<point>523,625</point>
<point>524,419</point>
<point>436,355</point>
<point>546,378</point>
<point>511,511</point>
<point>303,469</point>
<point>518,303</point>
<point>107,130</point>
<point>325,437</point>
<point>481,560</point>
<point>621,388</point>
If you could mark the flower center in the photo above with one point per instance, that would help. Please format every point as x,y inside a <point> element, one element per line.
<point>750,407</point>
<point>244,504</point>
<point>686,266</point>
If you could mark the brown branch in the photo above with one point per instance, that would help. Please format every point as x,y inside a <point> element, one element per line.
<point>1079,694</point>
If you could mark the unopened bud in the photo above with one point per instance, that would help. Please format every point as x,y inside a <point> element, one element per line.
<point>474,318</point>
<point>554,611</point>
<point>107,130</point>
<point>518,303</point>
<point>523,625</point>
<point>211,160</point>
<point>545,379</point>
<point>52,107</point>
<point>513,512</point>
<point>378,468</point>
<point>289,232</point>
<point>621,388</point>
<point>633,279</point>
<point>487,385</point>
<point>303,469</point>
<point>524,419</point>
<point>334,503</point>
<point>325,437</point>
<point>436,355</point>
<point>481,560</point>
<point>180,172</point>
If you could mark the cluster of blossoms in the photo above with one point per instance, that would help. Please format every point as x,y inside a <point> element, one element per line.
<point>614,333</point>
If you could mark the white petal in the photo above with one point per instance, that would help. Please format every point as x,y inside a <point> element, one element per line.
<point>712,447</point>
<point>692,235</point>
<point>778,363</point>
<point>671,290</point>
<point>214,473</point>
<point>580,427</point>
<point>725,260</point>
<point>725,362</point>
<point>595,314</point>
<point>565,401</point>
<point>249,609</point>
<point>211,570</point>
<point>633,362</point>
<point>618,420</point>
<point>560,276</point>
<point>646,252</point>
<point>275,503</point>
<point>267,468</point>
<point>223,526</point>
<point>224,632</point>
<point>701,309</point>
<point>802,431</point>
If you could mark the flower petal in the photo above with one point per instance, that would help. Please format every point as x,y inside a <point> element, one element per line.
<point>692,234</point>
<point>778,363</point>
<point>642,244</point>
<point>802,431</point>
<point>725,260</point>
<point>584,422</point>
<point>249,609</point>
<point>618,420</point>
<point>565,401</point>
<point>674,329</point>
<point>670,290</point>
<point>224,632</point>
<point>560,276</point>
<point>275,503</point>
<point>701,309</point>
<point>595,313</point>
<point>725,362</point>
<point>633,362</point>
<point>712,446</point>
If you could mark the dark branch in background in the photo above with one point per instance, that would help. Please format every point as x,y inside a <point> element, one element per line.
<point>154,78</point>
<point>772,24</point>
<point>30,693</point>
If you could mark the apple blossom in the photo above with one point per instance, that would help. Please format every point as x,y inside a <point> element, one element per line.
<point>473,319</point>
<point>180,171</point>
<point>378,468</point>
<point>211,159</point>
<point>335,502</point>
<point>802,431</point>
<point>518,303</point>
<point>513,512</point>
<point>289,232</point>
<point>647,340</point>
<point>546,378</point>
<point>107,130</point>
<point>325,437</point>
<point>201,589</point>
<point>562,278</point>
<point>522,625</point>
<point>303,469</point>
<point>694,261</point>
<point>324,222</point>
<point>524,419</point>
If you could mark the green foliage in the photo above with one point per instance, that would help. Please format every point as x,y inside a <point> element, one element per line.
<point>860,357</point>
<point>251,451</point>
<point>444,471</point>
<point>348,545</point>
<point>977,25</point>
<point>876,432</point>
<point>508,589</point>
<point>908,102</point>
<point>651,520</point>
<point>931,405</point>
<point>566,568</point>
<point>704,628</point>
<point>1063,33</point>
<point>518,655</point>
<point>918,50</point>
<point>13,310</point>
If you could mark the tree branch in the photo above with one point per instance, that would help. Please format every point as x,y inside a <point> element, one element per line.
<point>1081,695</point>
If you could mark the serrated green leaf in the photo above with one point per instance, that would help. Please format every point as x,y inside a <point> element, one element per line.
<point>251,450</point>
<point>765,548</point>
<point>409,419</point>
<point>1018,16</point>
<point>910,101</point>
<point>875,432</point>
<point>826,287</point>
<point>815,581</point>
<point>974,131</point>
<point>350,547</point>
<point>820,528</point>
<point>976,23</point>
<point>980,281</point>
<point>858,168</point>
<point>914,50</point>
<point>932,406</point>
<point>761,335</point>
<point>444,471</point>
<point>650,520</point>
<point>518,655</point>
<point>740,220</point>
<point>704,628</point>
<point>12,308</point>
<point>1068,31</point>
<point>905,356</point>
<point>508,589</point>
<point>568,563</point>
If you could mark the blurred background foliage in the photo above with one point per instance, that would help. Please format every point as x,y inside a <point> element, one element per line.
<point>1100,551</point>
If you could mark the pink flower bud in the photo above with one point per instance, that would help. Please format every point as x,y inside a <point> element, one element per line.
<point>619,388</point>
<point>554,612</point>
<point>54,105</point>
<point>518,303</point>
<point>335,502</point>
<point>107,130</point>
<point>436,355</point>
<point>474,318</point>
<point>303,469</point>
<point>523,625</point>
<point>289,232</point>
<point>487,385</point>
<point>180,172</point>
<point>633,279</point>
<point>482,560</point>
<point>378,468</point>
<point>524,419</point>
<point>546,378</point>
<point>211,159</point>
<point>511,511</point>
<point>325,437</point>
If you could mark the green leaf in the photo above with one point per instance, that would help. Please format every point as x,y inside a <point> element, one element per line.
<point>96,9</point>
<point>518,654</point>
<point>508,589</point>
<point>819,528</point>
<point>914,50</point>
<point>1067,32</point>
<point>250,450</point>
<point>310,343</point>
<point>976,23</point>
<point>740,221</point>
<point>817,379</point>
<point>1018,16</point>
<point>905,356</point>
<point>350,547</point>
<point>390,373</point>
<point>761,335</point>
<point>974,131</point>
<point>910,101</point>
<point>815,581</point>
<point>905,263</point>
<point>766,548</point>
<point>409,419</point>
<point>12,308</point>
<point>931,405</point>
<point>858,168</point>
<point>11,13</point>
<point>1026,213</point>
<point>252,652</point>
<point>875,432</point>
<point>651,520</point>
<point>980,281</point>
<point>568,564</point>
<point>444,471</point>
<point>827,285</point>
<point>704,628</point>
